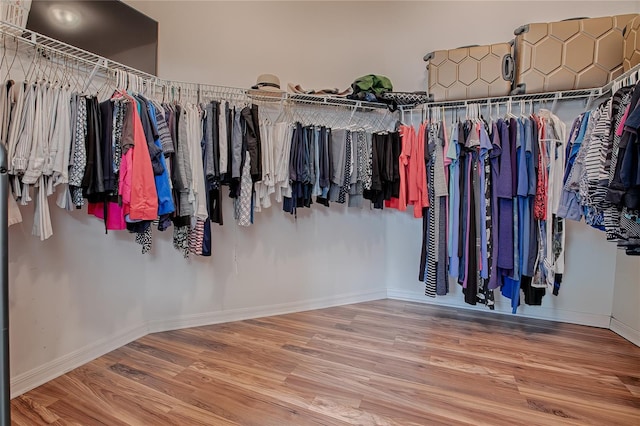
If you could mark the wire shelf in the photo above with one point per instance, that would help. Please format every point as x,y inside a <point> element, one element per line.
<point>49,44</point>
<point>206,91</point>
<point>335,101</point>
<point>630,77</point>
<point>538,97</point>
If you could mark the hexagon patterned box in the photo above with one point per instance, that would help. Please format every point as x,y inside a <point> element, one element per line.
<point>470,72</point>
<point>631,44</point>
<point>579,53</point>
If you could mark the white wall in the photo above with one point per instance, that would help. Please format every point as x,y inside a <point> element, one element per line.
<point>275,264</point>
<point>82,293</point>
<point>77,291</point>
<point>330,43</point>
<point>626,298</point>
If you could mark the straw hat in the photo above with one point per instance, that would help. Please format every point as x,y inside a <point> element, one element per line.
<point>267,83</point>
<point>267,88</point>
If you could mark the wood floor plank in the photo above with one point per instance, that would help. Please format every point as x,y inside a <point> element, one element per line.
<point>252,333</point>
<point>384,362</point>
<point>313,403</point>
<point>46,395</point>
<point>30,412</point>
<point>127,402</point>
<point>231,400</point>
<point>165,349</point>
<point>581,412</point>
<point>193,416</point>
<point>471,408</point>
<point>146,362</point>
<point>84,413</point>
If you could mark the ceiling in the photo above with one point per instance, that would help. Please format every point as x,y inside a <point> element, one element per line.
<point>104,27</point>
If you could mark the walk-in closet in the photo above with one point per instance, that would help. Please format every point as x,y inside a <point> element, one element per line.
<point>319,212</point>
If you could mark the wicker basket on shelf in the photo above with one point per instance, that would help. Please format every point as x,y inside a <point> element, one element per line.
<point>405,98</point>
<point>15,12</point>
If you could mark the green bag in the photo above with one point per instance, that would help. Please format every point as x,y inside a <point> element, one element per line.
<point>376,84</point>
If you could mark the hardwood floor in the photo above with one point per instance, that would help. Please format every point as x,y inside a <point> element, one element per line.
<point>377,363</point>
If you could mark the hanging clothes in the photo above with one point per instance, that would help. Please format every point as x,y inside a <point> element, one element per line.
<point>266,186</point>
<point>493,195</point>
<point>385,169</point>
<point>301,172</point>
<point>282,140</point>
<point>324,164</point>
<point>408,139</point>
<point>554,237</point>
<point>619,111</point>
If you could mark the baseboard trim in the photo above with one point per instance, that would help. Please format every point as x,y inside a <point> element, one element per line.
<point>48,371</point>
<point>582,318</point>
<point>239,314</point>
<point>622,329</point>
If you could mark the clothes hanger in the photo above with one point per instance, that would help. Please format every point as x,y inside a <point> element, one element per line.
<point>31,70</point>
<point>384,120</point>
<point>111,84</point>
<point>103,91</point>
<point>66,74</point>
<point>509,110</point>
<point>4,54</point>
<point>53,69</point>
<point>523,109</point>
<point>142,88</point>
<point>15,55</point>
<point>60,72</point>
<point>20,61</point>
<point>62,75</point>
<point>353,112</point>
<point>124,82</point>
<point>72,75</point>
<point>374,123</point>
<point>82,79</point>
<point>47,69</point>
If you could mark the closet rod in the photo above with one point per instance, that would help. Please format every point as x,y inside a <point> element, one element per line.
<point>534,97</point>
